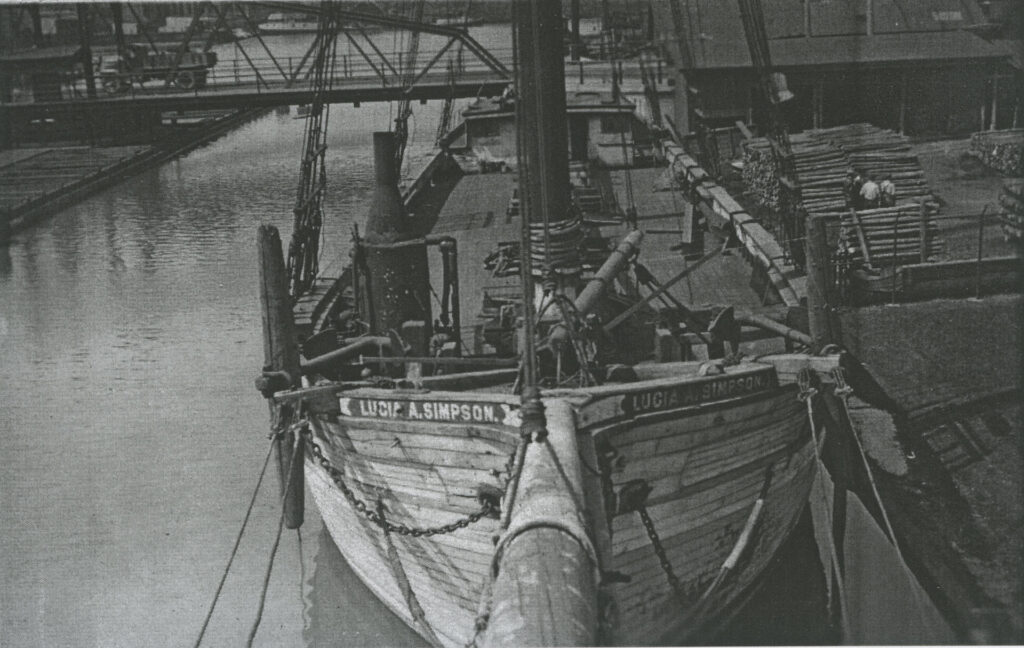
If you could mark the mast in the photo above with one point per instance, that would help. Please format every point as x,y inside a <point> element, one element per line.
<point>544,167</point>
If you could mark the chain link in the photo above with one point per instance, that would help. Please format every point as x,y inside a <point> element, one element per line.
<point>372,515</point>
<point>666,566</point>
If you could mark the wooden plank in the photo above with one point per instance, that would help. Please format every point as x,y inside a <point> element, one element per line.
<point>702,463</point>
<point>696,422</point>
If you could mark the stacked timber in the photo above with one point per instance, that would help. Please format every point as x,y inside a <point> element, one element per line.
<point>1001,150</point>
<point>878,153</point>
<point>889,236</point>
<point>823,156</point>
<point>1011,201</point>
<point>820,170</point>
<point>760,172</point>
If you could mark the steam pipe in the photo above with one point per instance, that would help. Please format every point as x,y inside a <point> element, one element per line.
<point>348,351</point>
<point>590,294</point>
<point>768,324</point>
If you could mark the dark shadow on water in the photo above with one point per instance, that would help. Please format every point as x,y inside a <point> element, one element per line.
<point>790,608</point>
<point>343,612</point>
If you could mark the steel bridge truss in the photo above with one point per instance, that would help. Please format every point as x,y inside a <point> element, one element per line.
<point>389,70</point>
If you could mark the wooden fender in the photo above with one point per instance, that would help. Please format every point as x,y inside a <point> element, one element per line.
<point>546,569</point>
<point>281,355</point>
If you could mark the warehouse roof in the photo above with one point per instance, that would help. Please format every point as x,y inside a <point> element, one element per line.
<point>834,32</point>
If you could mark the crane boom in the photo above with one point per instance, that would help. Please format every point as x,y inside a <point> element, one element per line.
<point>773,86</point>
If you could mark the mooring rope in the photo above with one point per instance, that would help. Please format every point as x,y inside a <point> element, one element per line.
<point>277,542</point>
<point>234,550</point>
<point>807,393</point>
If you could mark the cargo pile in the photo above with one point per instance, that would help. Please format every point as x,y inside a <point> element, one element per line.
<point>898,235</point>
<point>822,157</point>
<point>880,152</point>
<point>1011,202</point>
<point>760,173</point>
<point>1002,150</point>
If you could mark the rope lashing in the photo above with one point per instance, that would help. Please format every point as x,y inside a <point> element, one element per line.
<point>556,245</point>
<point>234,549</point>
<point>532,428</point>
<point>295,461</point>
<point>805,380</point>
<point>843,390</point>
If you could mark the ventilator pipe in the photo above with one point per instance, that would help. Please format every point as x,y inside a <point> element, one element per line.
<point>589,296</point>
<point>768,324</point>
<point>346,352</point>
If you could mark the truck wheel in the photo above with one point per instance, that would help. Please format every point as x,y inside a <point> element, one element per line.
<point>115,85</point>
<point>185,80</point>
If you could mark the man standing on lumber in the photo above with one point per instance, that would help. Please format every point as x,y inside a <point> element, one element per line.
<point>869,194</point>
<point>888,192</point>
<point>851,186</point>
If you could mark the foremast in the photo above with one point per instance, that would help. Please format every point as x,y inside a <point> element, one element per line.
<point>545,583</point>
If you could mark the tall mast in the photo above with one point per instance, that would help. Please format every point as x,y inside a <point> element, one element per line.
<point>543,145</point>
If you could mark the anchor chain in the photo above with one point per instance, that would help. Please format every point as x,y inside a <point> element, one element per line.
<point>659,550</point>
<point>486,508</point>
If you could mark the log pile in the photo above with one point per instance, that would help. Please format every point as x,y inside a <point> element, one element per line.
<point>822,157</point>
<point>879,152</point>
<point>760,173</point>
<point>889,236</point>
<point>1001,150</point>
<point>1011,201</point>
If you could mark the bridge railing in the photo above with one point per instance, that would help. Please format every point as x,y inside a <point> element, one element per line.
<point>265,74</point>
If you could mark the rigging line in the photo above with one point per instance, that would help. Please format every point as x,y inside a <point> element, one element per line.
<point>528,355</point>
<point>277,541</point>
<point>535,72</point>
<point>234,550</point>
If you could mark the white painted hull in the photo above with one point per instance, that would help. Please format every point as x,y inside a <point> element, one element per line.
<point>708,463</point>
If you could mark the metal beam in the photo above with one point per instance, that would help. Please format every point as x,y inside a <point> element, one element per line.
<point>265,98</point>
<point>401,23</point>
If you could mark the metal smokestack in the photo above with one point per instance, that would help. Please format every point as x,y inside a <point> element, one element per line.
<point>396,277</point>
<point>387,216</point>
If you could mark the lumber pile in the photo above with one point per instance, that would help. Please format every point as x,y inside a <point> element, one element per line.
<point>823,156</point>
<point>1011,201</point>
<point>880,152</point>
<point>1002,150</point>
<point>760,173</point>
<point>889,236</point>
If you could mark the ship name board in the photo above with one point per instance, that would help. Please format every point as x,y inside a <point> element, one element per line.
<point>426,410</point>
<point>694,393</point>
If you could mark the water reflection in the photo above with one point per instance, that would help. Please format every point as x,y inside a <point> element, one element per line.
<point>129,335</point>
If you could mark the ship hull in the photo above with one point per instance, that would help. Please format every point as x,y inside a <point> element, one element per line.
<point>707,463</point>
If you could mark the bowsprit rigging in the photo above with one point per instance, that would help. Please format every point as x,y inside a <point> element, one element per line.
<point>304,249</point>
<point>405,106</point>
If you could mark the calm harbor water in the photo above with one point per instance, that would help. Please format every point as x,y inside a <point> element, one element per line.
<point>131,433</point>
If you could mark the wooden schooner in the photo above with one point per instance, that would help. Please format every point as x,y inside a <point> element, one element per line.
<point>574,466</point>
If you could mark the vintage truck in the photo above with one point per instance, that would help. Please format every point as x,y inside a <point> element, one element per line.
<point>138,64</point>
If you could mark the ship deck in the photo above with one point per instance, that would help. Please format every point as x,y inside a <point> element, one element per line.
<point>476,212</point>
